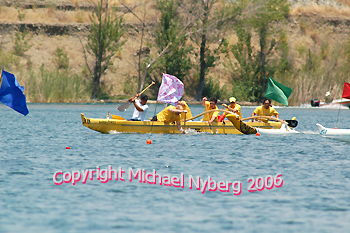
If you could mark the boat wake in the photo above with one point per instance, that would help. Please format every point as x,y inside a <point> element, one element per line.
<point>308,132</point>
<point>191,131</point>
<point>334,106</point>
<point>114,132</point>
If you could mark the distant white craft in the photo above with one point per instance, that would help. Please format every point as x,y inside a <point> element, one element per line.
<point>345,103</point>
<point>338,134</point>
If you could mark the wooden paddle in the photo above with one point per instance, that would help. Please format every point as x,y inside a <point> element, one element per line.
<point>262,118</point>
<point>291,123</point>
<point>201,114</point>
<point>123,107</point>
<point>213,110</point>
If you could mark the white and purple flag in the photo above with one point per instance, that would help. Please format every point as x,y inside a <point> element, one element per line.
<point>171,90</point>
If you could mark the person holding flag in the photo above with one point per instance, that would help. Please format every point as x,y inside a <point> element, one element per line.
<point>170,92</point>
<point>171,114</point>
<point>277,92</point>
<point>265,110</point>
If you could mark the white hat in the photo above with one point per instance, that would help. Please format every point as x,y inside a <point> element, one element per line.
<point>232,99</point>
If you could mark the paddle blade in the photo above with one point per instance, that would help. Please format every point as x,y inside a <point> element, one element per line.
<point>116,117</point>
<point>123,107</point>
<point>292,123</point>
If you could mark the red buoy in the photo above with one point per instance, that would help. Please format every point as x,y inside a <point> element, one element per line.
<point>149,141</point>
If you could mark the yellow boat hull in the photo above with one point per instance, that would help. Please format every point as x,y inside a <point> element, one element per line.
<point>226,127</point>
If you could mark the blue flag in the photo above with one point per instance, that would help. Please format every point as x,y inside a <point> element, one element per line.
<point>11,93</point>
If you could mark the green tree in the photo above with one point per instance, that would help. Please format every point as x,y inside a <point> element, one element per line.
<point>61,59</point>
<point>176,61</point>
<point>268,11</point>
<point>211,19</point>
<point>104,40</point>
<point>252,66</point>
<point>21,43</point>
<point>244,67</point>
<point>140,62</point>
<point>145,65</point>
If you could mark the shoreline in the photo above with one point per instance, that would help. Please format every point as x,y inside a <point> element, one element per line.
<point>243,103</point>
<point>109,101</point>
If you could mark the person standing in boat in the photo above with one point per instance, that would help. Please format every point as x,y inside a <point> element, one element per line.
<point>233,107</point>
<point>171,114</point>
<point>328,98</point>
<point>210,105</point>
<point>265,110</point>
<point>140,107</point>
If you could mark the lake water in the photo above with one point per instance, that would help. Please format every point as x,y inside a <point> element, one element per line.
<point>314,195</point>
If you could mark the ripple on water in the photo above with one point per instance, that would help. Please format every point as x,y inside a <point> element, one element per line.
<point>314,196</point>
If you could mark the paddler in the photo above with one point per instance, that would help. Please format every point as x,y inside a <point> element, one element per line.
<point>140,107</point>
<point>265,110</point>
<point>171,114</point>
<point>233,107</point>
<point>210,105</point>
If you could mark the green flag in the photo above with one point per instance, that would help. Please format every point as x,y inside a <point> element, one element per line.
<point>277,92</point>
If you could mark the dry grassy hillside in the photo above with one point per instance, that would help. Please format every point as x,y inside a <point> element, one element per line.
<point>64,24</point>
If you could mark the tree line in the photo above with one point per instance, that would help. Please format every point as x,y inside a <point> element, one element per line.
<point>205,43</point>
<point>190,37</point>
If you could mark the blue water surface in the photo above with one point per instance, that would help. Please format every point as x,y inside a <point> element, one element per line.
<point>314,196</point>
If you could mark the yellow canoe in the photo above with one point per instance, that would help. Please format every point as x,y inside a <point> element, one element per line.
<point>230,126</point>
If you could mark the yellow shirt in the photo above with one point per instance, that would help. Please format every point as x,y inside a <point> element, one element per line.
<point>167,116</point>
<point>238,108</point>
<point>188,114</point>
<point>261,111</point>
<point>208,116</point>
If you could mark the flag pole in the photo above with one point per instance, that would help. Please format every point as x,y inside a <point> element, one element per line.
<point>341,101</point>
<point>336,124</point>
<point>154,114</point>
<point>1,76</point>
<point>185,121</point>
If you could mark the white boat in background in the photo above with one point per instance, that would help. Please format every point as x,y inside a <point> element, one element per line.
<point>335,103</point>
<point>330,103</point>
<point>344,104</point>
<point>338,134</point>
